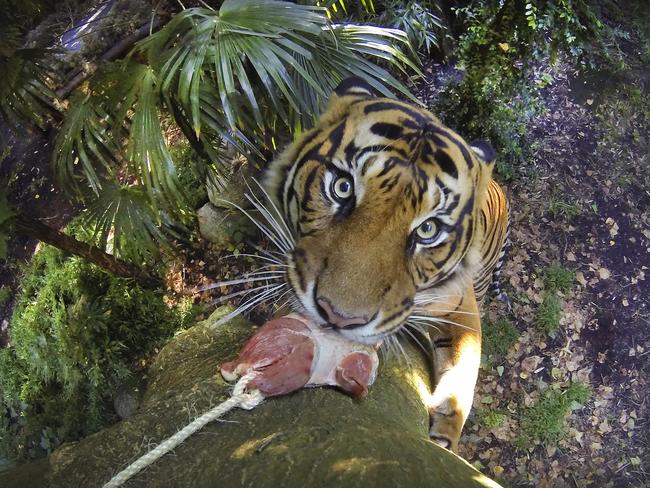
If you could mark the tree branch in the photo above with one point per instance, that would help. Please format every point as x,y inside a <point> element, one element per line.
<point>22,224</point>
<point>113,53</point>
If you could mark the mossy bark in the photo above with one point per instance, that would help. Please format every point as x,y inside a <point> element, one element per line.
<point>316,437</point>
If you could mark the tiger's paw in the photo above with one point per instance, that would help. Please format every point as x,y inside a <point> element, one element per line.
<point>446,423</point>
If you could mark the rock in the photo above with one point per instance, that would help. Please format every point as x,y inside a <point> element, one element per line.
<point>125,402</point>
<point>223,226</point>
<point>232,187</point>
<point>314,437</point>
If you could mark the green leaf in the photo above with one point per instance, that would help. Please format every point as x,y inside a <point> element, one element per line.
<point>266,59</point>
<point>125,222</point>
<point>147,152</point>
<point>25,96</point>
<point>85,152</point>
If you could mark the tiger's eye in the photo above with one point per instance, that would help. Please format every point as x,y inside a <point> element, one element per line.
<point>342,188</point>
<point>426,231</point>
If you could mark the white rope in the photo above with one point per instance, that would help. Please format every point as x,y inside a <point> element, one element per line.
<point>240,398</point>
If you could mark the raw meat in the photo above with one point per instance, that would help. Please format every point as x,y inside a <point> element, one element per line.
<point>291,352</point>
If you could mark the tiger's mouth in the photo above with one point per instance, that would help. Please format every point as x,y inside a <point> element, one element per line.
<point>370,339</point>
<point>362,333</point>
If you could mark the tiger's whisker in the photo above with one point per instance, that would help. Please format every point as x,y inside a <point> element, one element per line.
<point>265,230</point>
<point>277,210</point>
<point>275,261</point>
<point>272,223</point>
<point>224,298</point>
<point>423,326</point>
<point>261,297</point>
<point>270,277</point>
<point>412,335</point>
<point>279,223</point>
<point>284,229</point>
<point>275,303</point>
<point>460,312</point>
<point>401,348</point>
<point>424,297</point>
<point>441,321</point>
<point>272,254</point>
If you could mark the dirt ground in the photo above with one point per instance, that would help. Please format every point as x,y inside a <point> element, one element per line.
<point>583,203</point>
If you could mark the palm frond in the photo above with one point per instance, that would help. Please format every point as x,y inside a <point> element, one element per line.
<point>339,9</point>
<point>221,50</point>
<point>125,221</point>
<point>344,50</point>
<point>123,103</point>
<point>255,61</point>
<point>25,94</point>
<point>147,151</point>
<point>85,152</point>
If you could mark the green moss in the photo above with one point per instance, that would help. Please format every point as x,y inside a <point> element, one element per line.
<point>498,337</point>
<point>549,312</point>
<point>491,418</point>
<point>313,437</point>
<point>544,422</point>
<point>76,334</point>
<point>191,173</point>
<point>557,278</point>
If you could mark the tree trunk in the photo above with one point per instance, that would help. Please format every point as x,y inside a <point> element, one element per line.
<point>21,224</point>
<point>312,438</point>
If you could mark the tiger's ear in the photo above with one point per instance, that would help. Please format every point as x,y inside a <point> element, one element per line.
<point>348,91</point>
<point>484,151</point>
<point>354,86</point>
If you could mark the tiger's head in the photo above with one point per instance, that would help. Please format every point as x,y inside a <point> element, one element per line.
<point>383,201</point>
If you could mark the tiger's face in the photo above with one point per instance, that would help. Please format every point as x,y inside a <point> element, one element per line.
<point>382,199</point>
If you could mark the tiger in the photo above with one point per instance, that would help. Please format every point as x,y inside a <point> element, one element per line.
<point>396,218</point>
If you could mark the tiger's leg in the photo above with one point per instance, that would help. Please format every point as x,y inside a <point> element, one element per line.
<point>456,341</point>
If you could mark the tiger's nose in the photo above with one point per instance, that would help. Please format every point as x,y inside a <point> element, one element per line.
<point>336,319</point>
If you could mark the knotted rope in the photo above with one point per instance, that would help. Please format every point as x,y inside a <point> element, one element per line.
<point>240,398</point>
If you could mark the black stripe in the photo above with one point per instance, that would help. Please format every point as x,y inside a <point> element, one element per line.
<point>310,156</point>
<point>387,105</point>
<point>438,141</point>
<point>299,253</point>
<point>387,130</point>
<point>452,206</point>
<point>446,164</point>
<point>378,148</point>
<point>389,164</point>
<point>351,152</point>
<point>390,318</point>
<point>308,182</point>
<point>285,173</point>
<point>335,138</point>
<point>469,205</point>
<point>459,143</point>
<point>389,183</point>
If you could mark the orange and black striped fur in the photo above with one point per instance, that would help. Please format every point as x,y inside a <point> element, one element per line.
<point>397,220</point>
